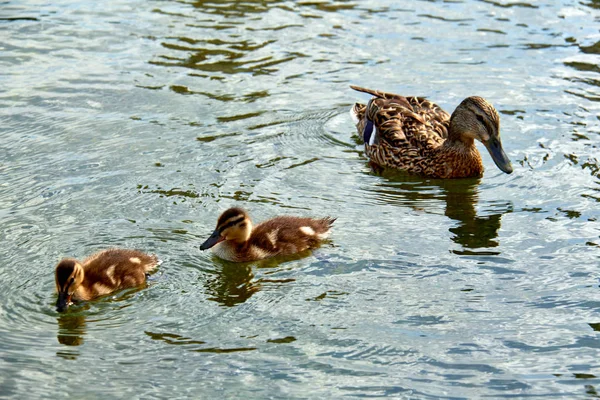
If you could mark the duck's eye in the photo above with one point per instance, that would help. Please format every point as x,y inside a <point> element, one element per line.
<point>242,225</point>
<point>480,119</point>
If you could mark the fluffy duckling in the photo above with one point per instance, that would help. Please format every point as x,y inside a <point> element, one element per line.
<point>101,274</point>
<point>235,239</point>
<point>415,135</point>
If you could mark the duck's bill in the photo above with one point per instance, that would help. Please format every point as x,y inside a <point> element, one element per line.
<point>212,240</point>
<point>494,146</point>
<point>63,301</point>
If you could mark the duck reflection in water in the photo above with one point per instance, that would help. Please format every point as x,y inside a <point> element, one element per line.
<point>472,231</point>
<point>234,283</point>
<point>71,329</point>
<point>231,284</point>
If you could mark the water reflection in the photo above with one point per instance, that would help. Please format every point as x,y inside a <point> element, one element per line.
<point>592,4</point>
<point>226,54</point>
<point>234,7</point>
<point>191,344</point>
<point>215,48</point>
<point>171,338</point>
<point>234,283</point>
<point>231,284</point>
<point>71,329</point>
<point>472,231</point>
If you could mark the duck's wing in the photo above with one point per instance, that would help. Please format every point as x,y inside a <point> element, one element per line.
<point>434,115</point>
<point>402,122</point>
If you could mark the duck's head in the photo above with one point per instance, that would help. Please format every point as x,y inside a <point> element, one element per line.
<point>475,118</point>
<point>69,275</point>
<point>233,225</point>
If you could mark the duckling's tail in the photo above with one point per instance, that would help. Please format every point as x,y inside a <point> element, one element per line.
<point>322,229</point>
<point>153,263</point>
<point>329,220</point>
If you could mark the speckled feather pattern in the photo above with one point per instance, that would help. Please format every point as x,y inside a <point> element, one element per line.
<point>412,135</point>
<point>114,269</point>
<point>278,236</point>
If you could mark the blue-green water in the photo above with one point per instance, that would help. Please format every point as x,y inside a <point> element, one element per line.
<point>135,123</point>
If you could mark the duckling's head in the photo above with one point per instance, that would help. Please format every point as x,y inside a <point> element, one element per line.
<point>475,118</point>
<point>233,225</point>
<point>69,275</point>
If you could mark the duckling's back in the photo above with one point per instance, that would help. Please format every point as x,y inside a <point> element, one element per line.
<point>115,269</point>
<point>289,235</point>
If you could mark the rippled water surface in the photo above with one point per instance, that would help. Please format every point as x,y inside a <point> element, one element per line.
<point>135,123</point>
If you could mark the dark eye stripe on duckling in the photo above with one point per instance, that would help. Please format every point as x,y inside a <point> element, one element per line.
<point>230,224</point>
<point>68,284</point>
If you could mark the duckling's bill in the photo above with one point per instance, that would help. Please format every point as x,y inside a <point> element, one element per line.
<point>494,146</point>
<point>65,283</point>
<point>214,239</point>
<point>64,301</point>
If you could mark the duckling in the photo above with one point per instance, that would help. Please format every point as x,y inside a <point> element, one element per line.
<point>235,239</point>
<point>101,273</point>
<point>415,135</point>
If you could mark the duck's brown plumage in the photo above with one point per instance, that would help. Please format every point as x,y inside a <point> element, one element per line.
<point>101,273</point>
<point>415,135</point>
<point>235,239</point>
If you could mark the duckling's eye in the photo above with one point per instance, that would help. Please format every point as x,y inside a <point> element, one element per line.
<point>480,119</point>
<point>242,225</point>
<point>70,282</point>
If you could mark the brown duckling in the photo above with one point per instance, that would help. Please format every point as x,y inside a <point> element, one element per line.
<point>415,135</point>
<point>100,274</point>
<point>235,239</point>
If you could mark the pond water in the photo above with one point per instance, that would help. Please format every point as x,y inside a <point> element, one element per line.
<point>135,123</point>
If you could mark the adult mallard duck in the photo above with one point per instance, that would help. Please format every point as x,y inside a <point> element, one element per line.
<point>101,274</point>
<point>235,239</point>
<point>415,135</point>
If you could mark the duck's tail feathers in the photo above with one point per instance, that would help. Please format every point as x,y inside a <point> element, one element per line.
<point>384,95</point>
<point>357,112</point>
<point>376,93</point>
